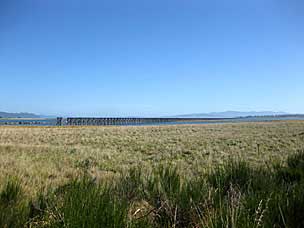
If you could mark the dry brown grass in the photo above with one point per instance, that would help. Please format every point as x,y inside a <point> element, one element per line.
<point>44,156</point>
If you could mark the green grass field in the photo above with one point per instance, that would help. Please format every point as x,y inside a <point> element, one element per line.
<point>44,156</point>
<point>217,175</point>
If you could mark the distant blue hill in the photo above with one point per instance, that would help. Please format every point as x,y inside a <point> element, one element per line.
<point>18,115</point>
<point>230,114</point>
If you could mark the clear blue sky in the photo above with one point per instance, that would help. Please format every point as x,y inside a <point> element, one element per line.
<point>151,57</point>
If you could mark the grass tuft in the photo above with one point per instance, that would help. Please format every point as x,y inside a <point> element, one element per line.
<point>232,195</point>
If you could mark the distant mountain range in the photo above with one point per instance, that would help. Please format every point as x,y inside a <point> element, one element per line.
<point>230,114</point>
<point>18,115</point>
<point>227,114</point>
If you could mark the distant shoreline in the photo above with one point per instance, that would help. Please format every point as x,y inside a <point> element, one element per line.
<point>82,121</point>
<point>15,118</point>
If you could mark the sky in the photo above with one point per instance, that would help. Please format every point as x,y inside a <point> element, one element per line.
<point>151,57</point>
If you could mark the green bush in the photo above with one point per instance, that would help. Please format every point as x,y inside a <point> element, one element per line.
<point>176,202</point>
<point>233,173</point>
<point>14,210</point>
<point>294,171</point>
<point>82,203</point>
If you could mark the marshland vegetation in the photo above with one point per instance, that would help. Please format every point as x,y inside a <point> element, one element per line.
<point>225,175</point>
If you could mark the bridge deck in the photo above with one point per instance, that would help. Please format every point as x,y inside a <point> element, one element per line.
<point>75,121</point>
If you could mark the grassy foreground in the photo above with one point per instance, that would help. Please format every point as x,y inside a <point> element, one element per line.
<point>226,175</point>
<point>231,195</point>
<point>50,156</point>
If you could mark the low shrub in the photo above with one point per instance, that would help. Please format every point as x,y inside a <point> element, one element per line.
<point>14,210</point>
<point>83,203</point>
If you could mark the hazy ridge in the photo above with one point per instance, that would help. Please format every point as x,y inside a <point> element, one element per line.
<point>18,115</point>
<point>231,114</point>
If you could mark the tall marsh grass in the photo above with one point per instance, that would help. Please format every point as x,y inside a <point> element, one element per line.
<point>234,194</point>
